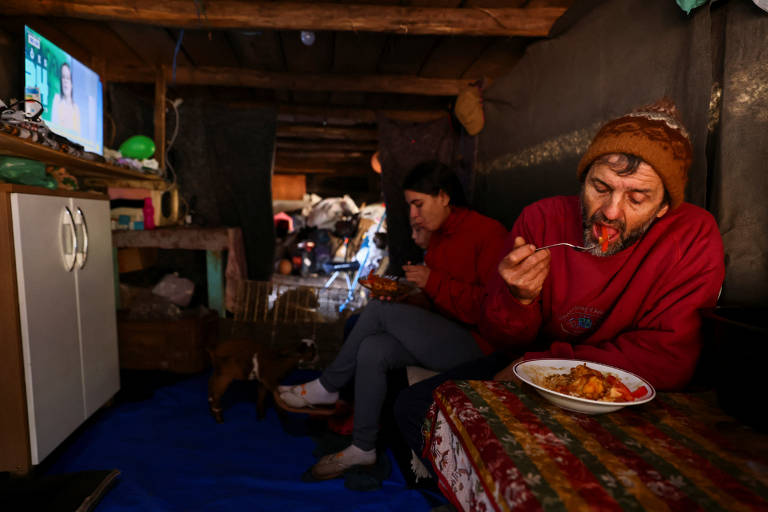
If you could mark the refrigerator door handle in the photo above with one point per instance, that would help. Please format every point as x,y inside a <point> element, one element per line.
<point>69,220</point>
<point>84,252</point>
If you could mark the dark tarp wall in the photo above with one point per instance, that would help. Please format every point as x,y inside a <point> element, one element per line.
<point>740,182</point>
<point>223,159</point>
<point>401,147</point>
<point>610,57</point>
<point>223,162</point>
<point>129,111</point>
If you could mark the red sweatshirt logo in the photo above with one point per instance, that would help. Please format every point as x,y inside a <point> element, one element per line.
<point>580,320</point>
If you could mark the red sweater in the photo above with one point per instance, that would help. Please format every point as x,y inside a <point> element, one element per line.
<point>462,254</point>
<point>636,310</point>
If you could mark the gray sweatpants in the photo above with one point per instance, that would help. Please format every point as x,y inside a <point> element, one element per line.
<point>388,336</point>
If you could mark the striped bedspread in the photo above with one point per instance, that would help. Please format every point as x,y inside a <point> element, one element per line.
<point>498,447</point>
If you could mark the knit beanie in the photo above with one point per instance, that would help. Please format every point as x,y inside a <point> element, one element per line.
<point>653,133</point>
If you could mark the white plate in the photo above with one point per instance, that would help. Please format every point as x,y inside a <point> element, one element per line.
<point>535,370</point>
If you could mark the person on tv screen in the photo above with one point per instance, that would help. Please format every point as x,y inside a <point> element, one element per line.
<point>64,111</point>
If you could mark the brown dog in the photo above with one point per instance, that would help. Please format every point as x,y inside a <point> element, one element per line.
<point>247,359</point>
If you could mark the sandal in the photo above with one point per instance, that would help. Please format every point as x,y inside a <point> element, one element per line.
<point>299,404</point>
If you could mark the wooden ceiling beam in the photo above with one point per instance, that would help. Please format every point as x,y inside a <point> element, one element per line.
<point>340,116</point>
<point>348,116</point>
<point>327,155</point>
<point>328,145</point>
<point>319,167</point>
<point>236,77</point>
<point>243,14</point>
<point>326,132</point>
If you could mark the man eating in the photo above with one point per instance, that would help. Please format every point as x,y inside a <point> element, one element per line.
<point>630,295</point>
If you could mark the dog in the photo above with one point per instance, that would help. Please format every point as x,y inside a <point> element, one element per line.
<point>248,359</point>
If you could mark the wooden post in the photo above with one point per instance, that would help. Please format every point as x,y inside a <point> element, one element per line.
<point>215,278</point>
<point>160,117</point>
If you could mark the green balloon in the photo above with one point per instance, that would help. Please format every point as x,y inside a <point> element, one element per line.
<point>138,146</point>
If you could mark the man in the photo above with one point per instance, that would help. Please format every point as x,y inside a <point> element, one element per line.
<point>631,299</point>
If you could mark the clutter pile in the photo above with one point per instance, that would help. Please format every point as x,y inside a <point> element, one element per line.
<point>321,236</point>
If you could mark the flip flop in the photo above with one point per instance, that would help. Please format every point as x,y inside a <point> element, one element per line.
<point>315,410</point>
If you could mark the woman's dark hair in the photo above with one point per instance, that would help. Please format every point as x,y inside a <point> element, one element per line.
<point>431,177</point>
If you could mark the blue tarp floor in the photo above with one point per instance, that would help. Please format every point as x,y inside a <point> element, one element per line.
<point>173,456</point>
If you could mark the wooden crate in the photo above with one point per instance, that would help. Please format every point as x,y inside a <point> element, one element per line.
<point>173,345</point>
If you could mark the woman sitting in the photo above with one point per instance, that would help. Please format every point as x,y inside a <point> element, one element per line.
<point>463,250</point>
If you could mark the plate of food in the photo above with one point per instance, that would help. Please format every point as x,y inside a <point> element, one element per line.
<point>386,287</point>
<point>584,386</point>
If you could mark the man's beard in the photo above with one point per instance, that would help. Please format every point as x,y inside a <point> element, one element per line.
<point>622,242</point>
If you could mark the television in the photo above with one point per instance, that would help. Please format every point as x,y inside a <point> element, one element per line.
<point>70,92</point>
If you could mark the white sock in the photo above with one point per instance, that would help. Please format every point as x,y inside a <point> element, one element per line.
<point>353,455</point>
<point>317,394</point>
<point>312,392</point>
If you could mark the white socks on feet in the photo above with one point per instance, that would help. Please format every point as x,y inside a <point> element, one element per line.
<point>317,394</point>
<point>310,393</point>
<point>352,456</point>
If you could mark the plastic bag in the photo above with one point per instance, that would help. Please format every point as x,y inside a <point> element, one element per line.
<point>327,212</point>
<point>25,172</point>
<point>176,289</point>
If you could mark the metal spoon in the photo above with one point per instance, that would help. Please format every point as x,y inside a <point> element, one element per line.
<point>577,247</point>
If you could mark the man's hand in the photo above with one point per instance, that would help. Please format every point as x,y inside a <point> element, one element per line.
<point>524,270</point>
<point>417,274</point>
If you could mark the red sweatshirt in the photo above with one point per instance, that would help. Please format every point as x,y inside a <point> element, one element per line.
<point>636,310</point>
<point>462,254</point>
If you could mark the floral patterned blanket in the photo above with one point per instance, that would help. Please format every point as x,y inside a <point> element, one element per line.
<point>497,446</point>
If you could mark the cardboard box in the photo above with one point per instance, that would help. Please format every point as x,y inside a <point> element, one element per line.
<point>130,259</point>
<point>174,345</point>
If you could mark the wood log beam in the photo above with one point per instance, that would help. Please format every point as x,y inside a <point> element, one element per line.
<point>339,116</point>
<point>351,116</point>
<point>160,91</point>
<point>243,14</point>
<point>298,145</point>
<point>290,167</point>
<point>237,77</point>
<point>327,156</point>
<point>326,133</point>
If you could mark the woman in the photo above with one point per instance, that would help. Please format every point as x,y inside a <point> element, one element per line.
<point>64,111</point>
<point>463,250</point>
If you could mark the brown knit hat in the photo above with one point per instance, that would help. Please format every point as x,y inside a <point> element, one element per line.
<point>653,133</point>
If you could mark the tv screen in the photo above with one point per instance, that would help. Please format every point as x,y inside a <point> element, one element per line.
<point>69,92</point>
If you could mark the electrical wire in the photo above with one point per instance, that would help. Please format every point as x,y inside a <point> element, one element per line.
<point>168,146</point>
<point>175,53</point>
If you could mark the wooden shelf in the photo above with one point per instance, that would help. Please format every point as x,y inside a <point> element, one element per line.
<point>15,146</point>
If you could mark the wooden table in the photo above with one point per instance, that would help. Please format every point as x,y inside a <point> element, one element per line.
<point>213,241</point>
<point>497,446</point>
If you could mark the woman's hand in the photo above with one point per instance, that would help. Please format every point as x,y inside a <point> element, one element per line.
<point>417,274</point>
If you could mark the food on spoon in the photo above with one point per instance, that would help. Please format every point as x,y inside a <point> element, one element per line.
<point>585,382</point>
<point>604,238</point>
